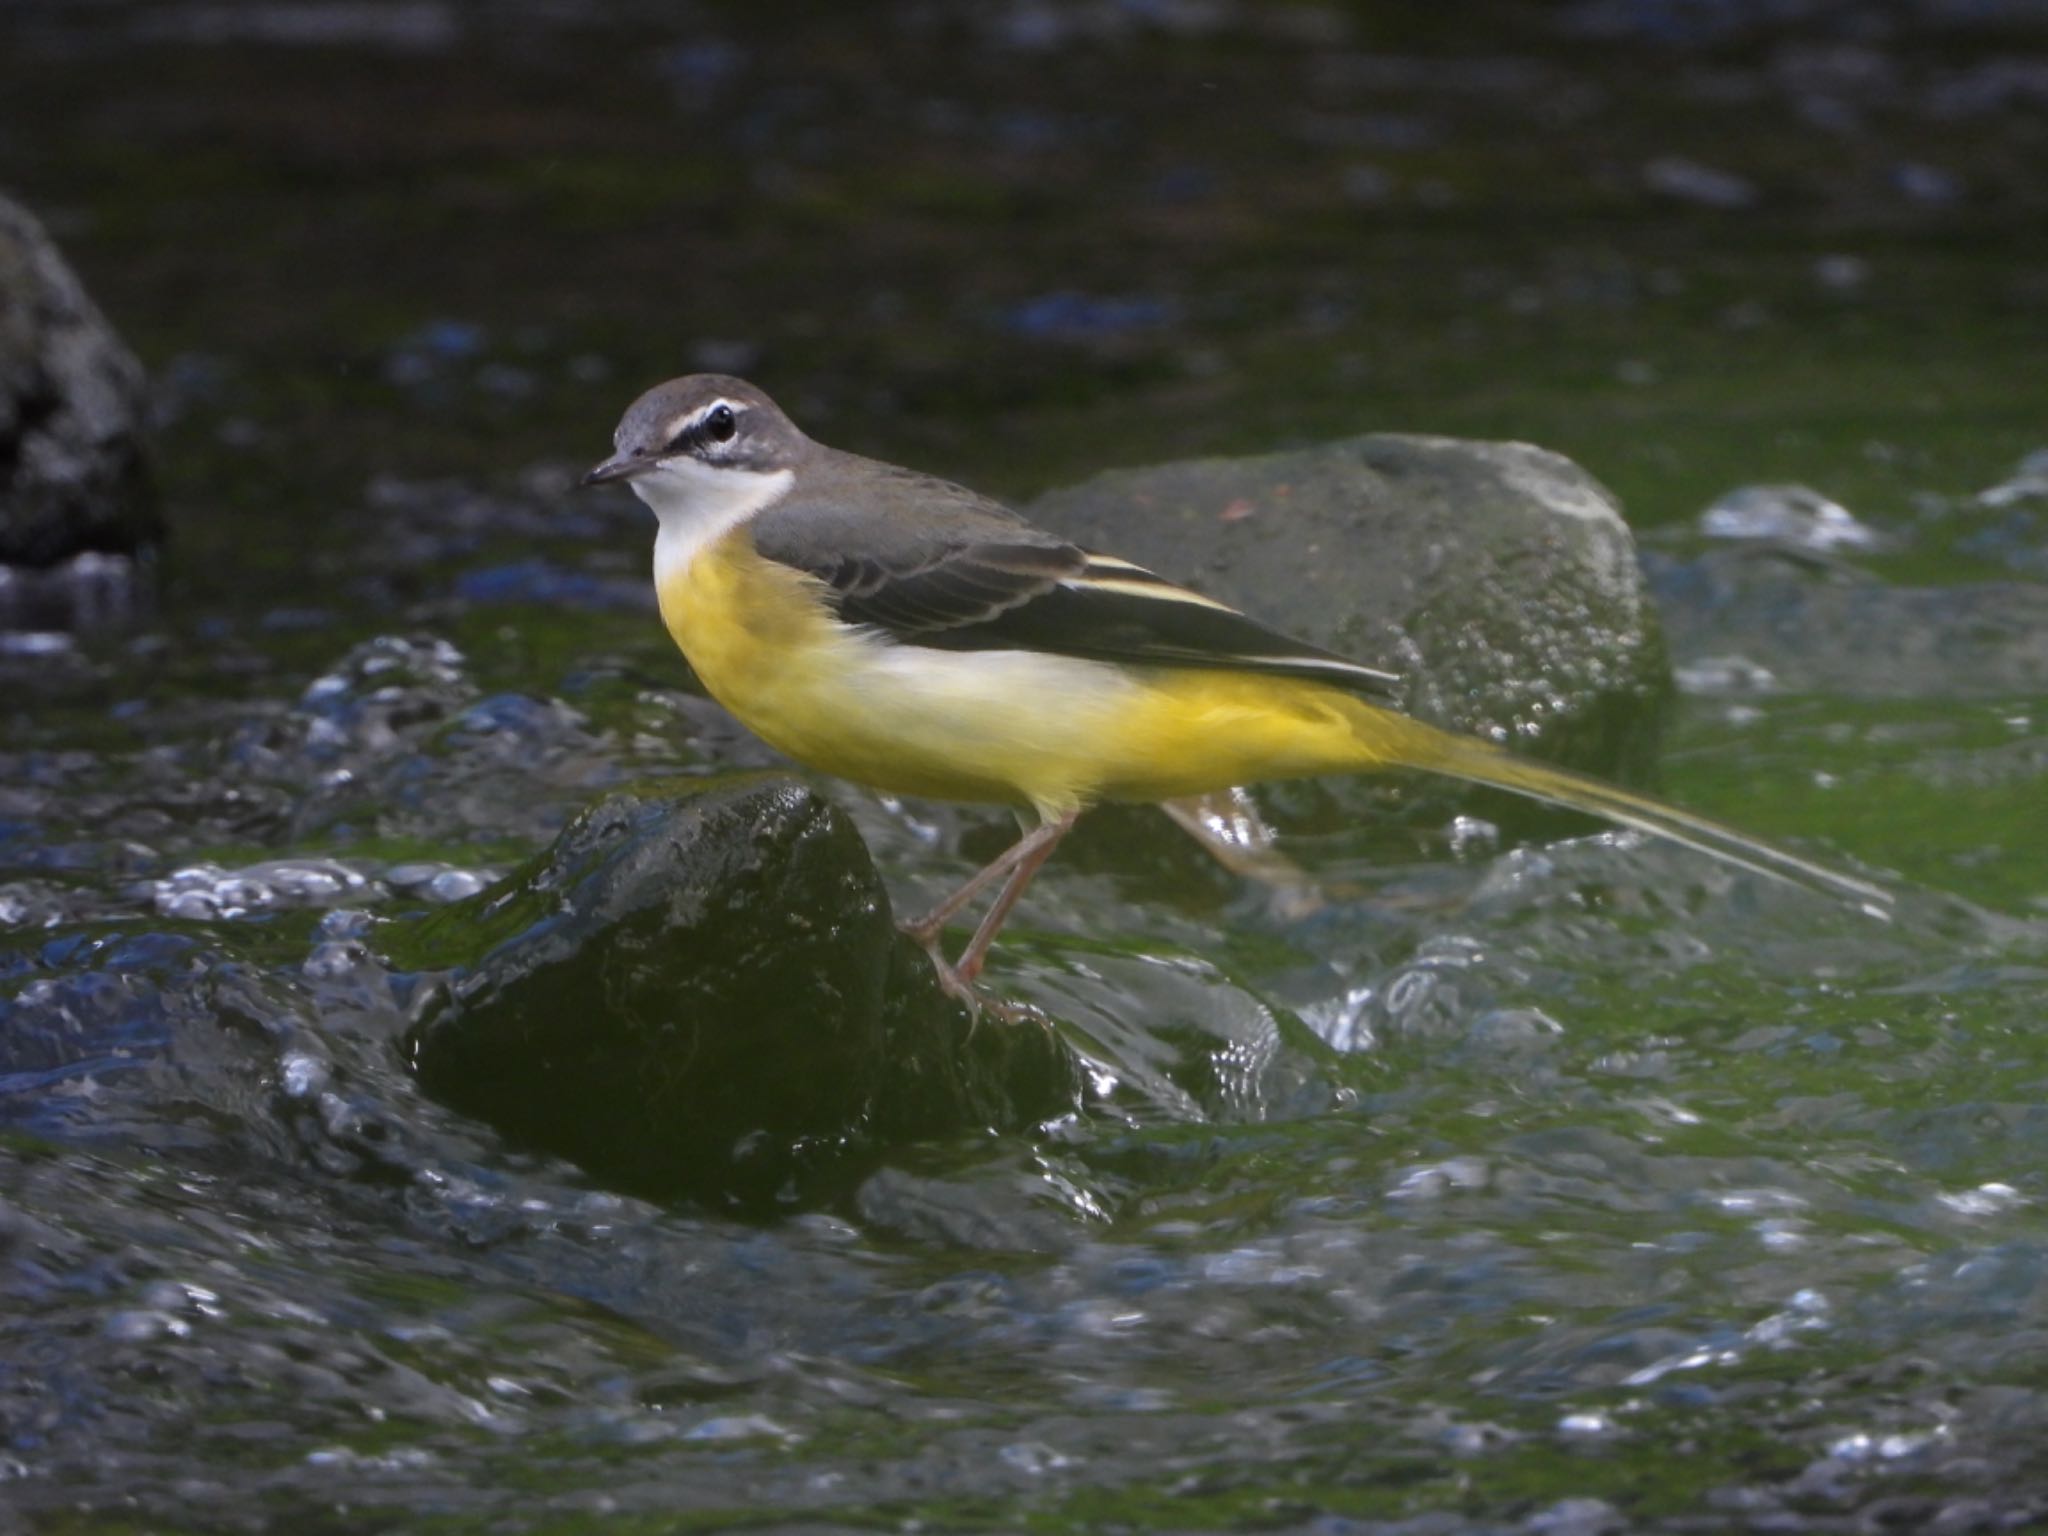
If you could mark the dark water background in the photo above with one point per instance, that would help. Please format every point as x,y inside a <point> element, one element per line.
<point>1550,1185</point>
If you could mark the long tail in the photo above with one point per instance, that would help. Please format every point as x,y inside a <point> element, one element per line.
<point>1414,744</point>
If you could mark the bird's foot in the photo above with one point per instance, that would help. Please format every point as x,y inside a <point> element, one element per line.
<point>959,984</point>
<point>928,935</point>
<point>954,985</point>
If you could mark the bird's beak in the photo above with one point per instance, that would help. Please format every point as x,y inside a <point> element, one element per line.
<point>620,466</point>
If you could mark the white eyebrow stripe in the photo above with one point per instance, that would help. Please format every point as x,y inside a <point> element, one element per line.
<point>1158,590</point>
<point>698,417</point>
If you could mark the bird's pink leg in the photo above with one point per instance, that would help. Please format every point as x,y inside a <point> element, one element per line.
<point>1019,862</point>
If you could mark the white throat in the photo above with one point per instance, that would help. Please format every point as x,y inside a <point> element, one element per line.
<point>698,505</point>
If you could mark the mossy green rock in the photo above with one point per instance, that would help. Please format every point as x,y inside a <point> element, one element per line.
<point>1497,579</point>
<point>705,995</point>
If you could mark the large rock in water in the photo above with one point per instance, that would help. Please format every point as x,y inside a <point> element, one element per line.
<point>1497,579</point>
<point>704,994</point>
<point>72,475</point>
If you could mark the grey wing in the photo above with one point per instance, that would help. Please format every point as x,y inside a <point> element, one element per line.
<point>961,562</point>
<point>969,574</point>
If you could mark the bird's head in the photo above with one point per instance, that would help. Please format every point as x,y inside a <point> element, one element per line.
<point>703,440</point>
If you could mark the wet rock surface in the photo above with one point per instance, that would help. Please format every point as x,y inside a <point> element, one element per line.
<point>706,995</point>
<point>72,474</point>
<point>1496,579</point>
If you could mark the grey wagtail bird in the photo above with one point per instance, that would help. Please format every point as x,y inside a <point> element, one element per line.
<point>894,629</point>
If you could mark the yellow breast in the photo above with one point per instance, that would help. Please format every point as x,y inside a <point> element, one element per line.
<point>764,643</point>
<point>1002,726</point>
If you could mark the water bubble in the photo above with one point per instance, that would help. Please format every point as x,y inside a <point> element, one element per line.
<point>1862,1446</point>
<point>1033,1457</point>
<point>1796,516</point>
<point>1473,835</point>
<point>303,1076</point>
<point>144,1326</point>
<point>1432,1181</point>
<point>1985,1200</point>
<point>335,960</point>
<point>743,1426</point>
<point>1725,674</point>
<point>2028,482</point>
<point>456,884</point>
<point>200,892</point>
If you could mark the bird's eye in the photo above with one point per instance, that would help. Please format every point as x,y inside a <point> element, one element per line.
<point>720,425</point>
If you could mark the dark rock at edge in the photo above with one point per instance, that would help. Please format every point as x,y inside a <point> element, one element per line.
<point>705,995</point>
<point>72,471</point>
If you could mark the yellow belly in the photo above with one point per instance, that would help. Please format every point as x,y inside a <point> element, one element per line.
<point>1021,727</point>
<point>1058,733</point>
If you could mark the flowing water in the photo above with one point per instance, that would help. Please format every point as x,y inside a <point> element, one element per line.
<point>1543,1179</point>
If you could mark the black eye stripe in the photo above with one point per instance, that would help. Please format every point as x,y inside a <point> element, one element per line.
<point>718,425</point>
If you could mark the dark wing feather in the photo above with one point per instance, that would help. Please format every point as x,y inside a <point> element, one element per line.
<point>1127,614</point>
<point>950,591</point>
<point>971,575</point>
